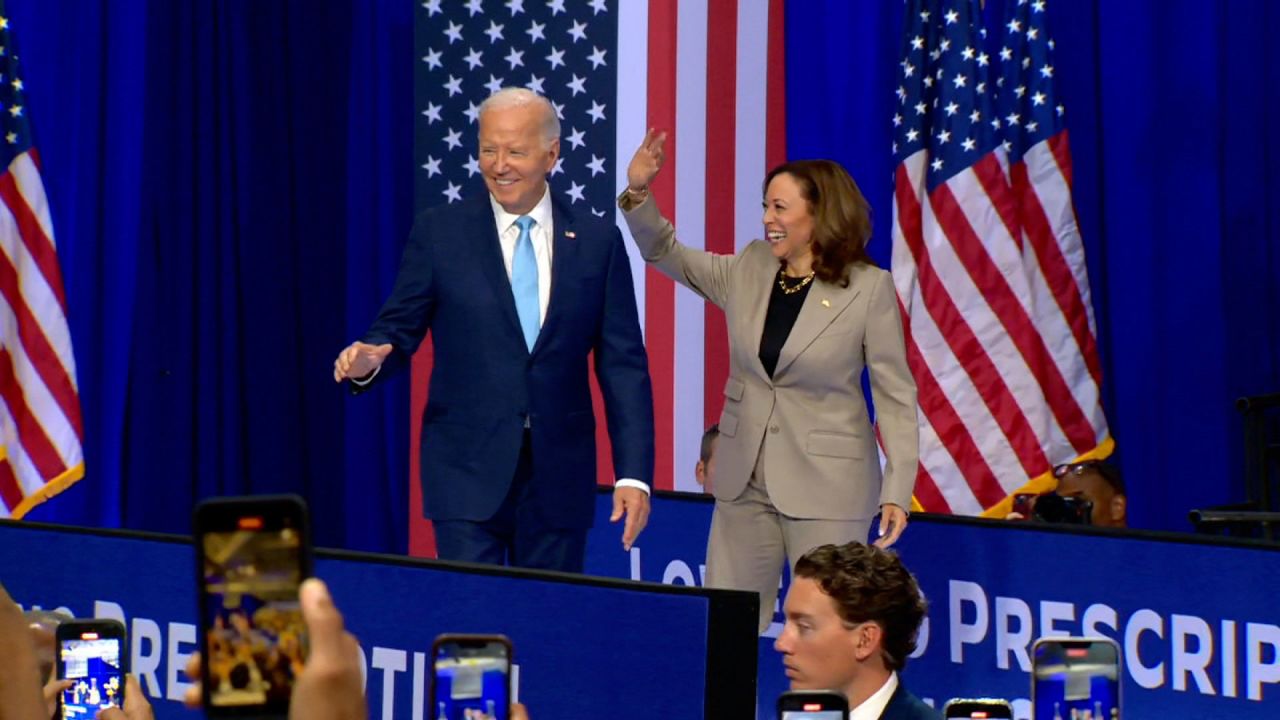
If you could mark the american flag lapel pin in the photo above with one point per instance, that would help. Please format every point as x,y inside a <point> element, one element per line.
<point>570,234</point>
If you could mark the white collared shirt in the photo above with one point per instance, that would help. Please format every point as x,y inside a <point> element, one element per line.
<point>540,234</point>
<point>873,707</point>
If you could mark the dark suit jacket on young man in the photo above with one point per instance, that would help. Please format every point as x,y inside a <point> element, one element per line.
<point>485,382</point>
<point>905,706</point>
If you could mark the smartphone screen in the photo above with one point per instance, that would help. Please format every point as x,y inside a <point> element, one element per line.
<point>254,553</point>
<point>91,655</point>
<point>471,678</point>
<point>813,715</point>
<point>977,710</point>
<point>1076,679</point>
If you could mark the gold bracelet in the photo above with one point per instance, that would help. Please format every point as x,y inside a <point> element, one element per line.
<point>638,195</point>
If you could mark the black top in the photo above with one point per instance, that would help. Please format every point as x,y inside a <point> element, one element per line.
<point>783,310</point>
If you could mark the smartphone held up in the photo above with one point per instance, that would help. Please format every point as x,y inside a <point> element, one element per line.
<point>251,556</point>
<point>977,709</point>
<point>1075,679</point>
<point>812,705</point>
<point>471,677</point>
<point>91,654</point>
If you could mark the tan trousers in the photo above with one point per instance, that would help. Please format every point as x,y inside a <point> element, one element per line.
<point>750,539</point>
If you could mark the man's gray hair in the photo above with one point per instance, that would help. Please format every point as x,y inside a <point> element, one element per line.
<point>511,97</point>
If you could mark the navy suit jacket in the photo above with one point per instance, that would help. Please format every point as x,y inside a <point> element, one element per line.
<point>905,706</point>
<point>485,382</point>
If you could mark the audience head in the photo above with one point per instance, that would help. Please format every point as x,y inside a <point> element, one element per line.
<point>852,615</point>
<point>1100,484</point>
<point>707,457</point>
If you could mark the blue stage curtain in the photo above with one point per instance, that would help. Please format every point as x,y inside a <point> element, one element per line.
<point>230,186</point>
<point>1169,107</point>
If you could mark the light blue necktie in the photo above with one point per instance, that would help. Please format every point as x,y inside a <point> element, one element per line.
<point>524,281</point>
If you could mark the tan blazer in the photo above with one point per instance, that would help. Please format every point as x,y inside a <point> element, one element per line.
<point>820,459</point>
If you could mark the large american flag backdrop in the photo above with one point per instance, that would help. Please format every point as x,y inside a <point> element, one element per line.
<point>987,259</point>
<point>40,428</point>
<point>612,69</point>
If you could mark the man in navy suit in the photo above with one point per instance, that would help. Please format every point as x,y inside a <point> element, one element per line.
<point>853,612</point>
<point>518,290</point>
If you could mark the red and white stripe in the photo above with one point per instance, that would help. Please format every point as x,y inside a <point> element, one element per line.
<point>721,98</point>
<point>990,272</point>
<point>40,426</point>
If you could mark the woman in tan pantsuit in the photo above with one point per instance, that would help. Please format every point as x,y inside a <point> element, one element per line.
<point>797,465</point>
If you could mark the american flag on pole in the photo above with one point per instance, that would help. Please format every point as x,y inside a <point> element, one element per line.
<point>40,432</point>
<point>988,262</point>
<point>709,72</point>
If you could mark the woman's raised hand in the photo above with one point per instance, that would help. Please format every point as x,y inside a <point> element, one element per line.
<point>647,161</point>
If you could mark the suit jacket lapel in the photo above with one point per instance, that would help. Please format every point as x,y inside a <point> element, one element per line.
<point>822,305</point>
<point>485,233</point>
<point>897,705</point>
<point>564,248</point>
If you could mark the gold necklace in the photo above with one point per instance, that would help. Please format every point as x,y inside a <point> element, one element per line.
<point>795,288</point>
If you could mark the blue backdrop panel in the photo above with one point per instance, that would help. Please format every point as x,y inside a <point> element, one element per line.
<point>1197,622</point>
<point>1166,109</point>
<point>578,644</point>
<point>230,185</point>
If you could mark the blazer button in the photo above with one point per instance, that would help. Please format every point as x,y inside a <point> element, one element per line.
<point>774,429</point>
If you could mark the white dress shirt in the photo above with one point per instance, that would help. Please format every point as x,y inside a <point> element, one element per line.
<point>873,707</point>
<point>540,234</point>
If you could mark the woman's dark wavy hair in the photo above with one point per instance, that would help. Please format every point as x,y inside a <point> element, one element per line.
<point>868,584</point>
<point>841,216</point>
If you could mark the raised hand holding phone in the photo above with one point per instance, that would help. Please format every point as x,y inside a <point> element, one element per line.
<point>330,685</point>
<point>252,555</point>
<point>92,656</point>
<point>1075,677</point>
<point>135,706</point>
<point>329,688</point>
<point>471,678</point>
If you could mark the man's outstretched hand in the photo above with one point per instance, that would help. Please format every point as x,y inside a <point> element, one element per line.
<point>359,360</point>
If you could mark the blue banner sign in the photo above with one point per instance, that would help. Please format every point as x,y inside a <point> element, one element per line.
<point>583,647</point>
<point>1197,620</point>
